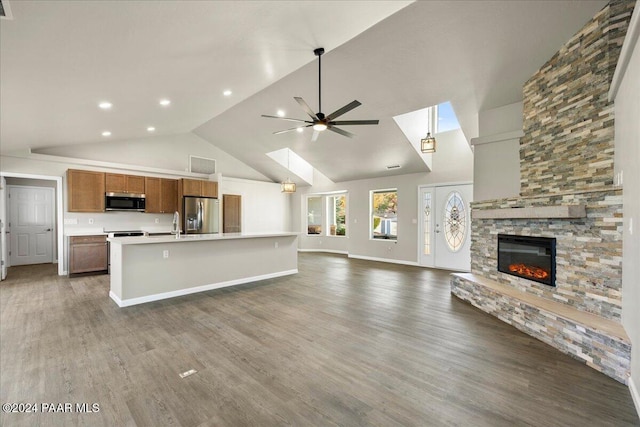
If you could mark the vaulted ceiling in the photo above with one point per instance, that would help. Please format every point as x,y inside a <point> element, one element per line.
<point>59,59</point>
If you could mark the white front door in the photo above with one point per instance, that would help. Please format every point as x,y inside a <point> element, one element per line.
<point>31,225</point>
<point>452,219</point>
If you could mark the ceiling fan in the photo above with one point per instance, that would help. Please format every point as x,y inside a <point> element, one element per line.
<point>319,121</point>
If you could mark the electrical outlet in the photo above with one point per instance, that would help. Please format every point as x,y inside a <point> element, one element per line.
<point>157,220</point>
<point>275,245</point>
<point>90,221</point>
<point>165,253</point>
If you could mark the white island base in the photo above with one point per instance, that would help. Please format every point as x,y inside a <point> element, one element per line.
<point>145,269</point>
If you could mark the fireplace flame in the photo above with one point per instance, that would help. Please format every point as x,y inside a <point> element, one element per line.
<point>529,271</point>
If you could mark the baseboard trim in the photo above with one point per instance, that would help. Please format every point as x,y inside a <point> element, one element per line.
<point>635,395</point>
<point>172,294</point>
<point>389,260</point>
<point>327,251</point>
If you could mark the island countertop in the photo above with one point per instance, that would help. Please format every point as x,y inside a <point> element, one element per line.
<point>145,240</point>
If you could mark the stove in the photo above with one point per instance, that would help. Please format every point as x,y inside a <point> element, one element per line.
<point>125,233</point>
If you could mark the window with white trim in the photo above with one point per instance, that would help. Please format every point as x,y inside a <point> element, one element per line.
<point>384,214</point>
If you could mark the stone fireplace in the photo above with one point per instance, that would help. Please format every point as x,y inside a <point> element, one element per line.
<point>568,196</point>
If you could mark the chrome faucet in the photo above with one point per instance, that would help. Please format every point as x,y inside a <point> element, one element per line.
<point>175,228</point>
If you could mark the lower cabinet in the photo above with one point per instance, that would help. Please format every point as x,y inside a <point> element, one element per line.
<point>88,254</point>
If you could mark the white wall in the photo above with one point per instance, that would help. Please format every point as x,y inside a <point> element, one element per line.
<point>497,160</point>
<point>163,152</point>
<point>627,160</point>
<point>264,207</point>
<point>452,163</point>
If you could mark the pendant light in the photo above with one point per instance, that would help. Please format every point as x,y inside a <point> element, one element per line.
<point>288,186</point>
<point>428,143</point>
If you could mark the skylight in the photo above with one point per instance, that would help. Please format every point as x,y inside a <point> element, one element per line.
<point>447,119</point>
<point>415,125</point>
<point>294,163</point>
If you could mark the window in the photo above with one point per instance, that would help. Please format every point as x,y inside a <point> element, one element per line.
<point>426,218</point>
<point>314,215</point>
<point>327,214</point>
<point>337,215</point>
<point>384,211</point>
<point>455,221</point>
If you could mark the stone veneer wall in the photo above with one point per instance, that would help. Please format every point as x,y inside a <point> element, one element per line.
<point>588,250</point>
<point>566,157</point>
<point>568,121</point>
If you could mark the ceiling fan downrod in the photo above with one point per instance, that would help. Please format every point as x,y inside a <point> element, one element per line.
<point>318,52</point>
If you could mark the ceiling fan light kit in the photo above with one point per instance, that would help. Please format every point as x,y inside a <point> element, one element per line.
<point>319,122</point>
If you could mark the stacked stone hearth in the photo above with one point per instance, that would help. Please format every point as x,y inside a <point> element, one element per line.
<point>566,158</point>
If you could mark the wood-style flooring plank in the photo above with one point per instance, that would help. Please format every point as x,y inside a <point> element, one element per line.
<point>343,343</point>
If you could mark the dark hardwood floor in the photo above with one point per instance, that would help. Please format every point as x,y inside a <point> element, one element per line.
<point>344,342</point>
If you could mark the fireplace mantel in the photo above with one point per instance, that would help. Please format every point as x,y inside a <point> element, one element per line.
<point>560,211</point>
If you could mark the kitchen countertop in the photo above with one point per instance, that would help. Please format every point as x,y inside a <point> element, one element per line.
<point>145,240</point>
<point>85,232</point>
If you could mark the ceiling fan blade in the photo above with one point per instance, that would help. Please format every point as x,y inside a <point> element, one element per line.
<point>350,106</point>
<point>341,132</point>
<point>315,136</point>
<point>355,122</point>
<point>286,118</point>
<point>292,129</point>
<point>306,107</point>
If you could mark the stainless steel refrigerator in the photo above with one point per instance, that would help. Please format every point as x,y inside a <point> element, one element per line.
<point>201,215</point>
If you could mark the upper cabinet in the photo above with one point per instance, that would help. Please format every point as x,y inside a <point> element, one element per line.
<point>196,187</point>
<point>85,191</point>
<point>119,183</point>
<point>161,195</point>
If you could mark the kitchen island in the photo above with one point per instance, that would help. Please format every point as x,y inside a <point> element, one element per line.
<point>151,268</point>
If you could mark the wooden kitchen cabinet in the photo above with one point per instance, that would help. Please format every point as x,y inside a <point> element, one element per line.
<point>161,195</point>
<point>169,195</point>
<point>231,213</point>
<point>199,188</point>
<point>209,189</point>
<point>119,183</point>
<point>85,191</point>
<point>191,187</point>
<point>88,254</point>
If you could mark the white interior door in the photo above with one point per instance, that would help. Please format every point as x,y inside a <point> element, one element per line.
<point>452,217</point>
<point>31,225</point>
<point>426,239</point>
<point>3,229</point>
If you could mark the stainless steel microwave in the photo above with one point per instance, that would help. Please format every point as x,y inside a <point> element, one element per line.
<point>124,202</point>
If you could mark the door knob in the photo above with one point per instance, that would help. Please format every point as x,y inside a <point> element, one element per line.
<point>48,229</point>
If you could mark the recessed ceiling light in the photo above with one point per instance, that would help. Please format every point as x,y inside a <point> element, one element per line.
<point>106,133</point>
<point>227,92</point>
<point>164,102</point>
<point>105,105</point>
<point>151,129</point>
<point>300,130</point>
<point>280,113</point>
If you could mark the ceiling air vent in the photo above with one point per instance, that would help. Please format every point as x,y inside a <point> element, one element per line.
<point>202,165</point>
<point>5,10</point>
<point>393,167</point>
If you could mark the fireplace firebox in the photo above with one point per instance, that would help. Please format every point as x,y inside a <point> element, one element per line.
<point>533,258</point>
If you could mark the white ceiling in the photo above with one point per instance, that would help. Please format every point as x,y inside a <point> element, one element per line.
<point>58,59</point>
